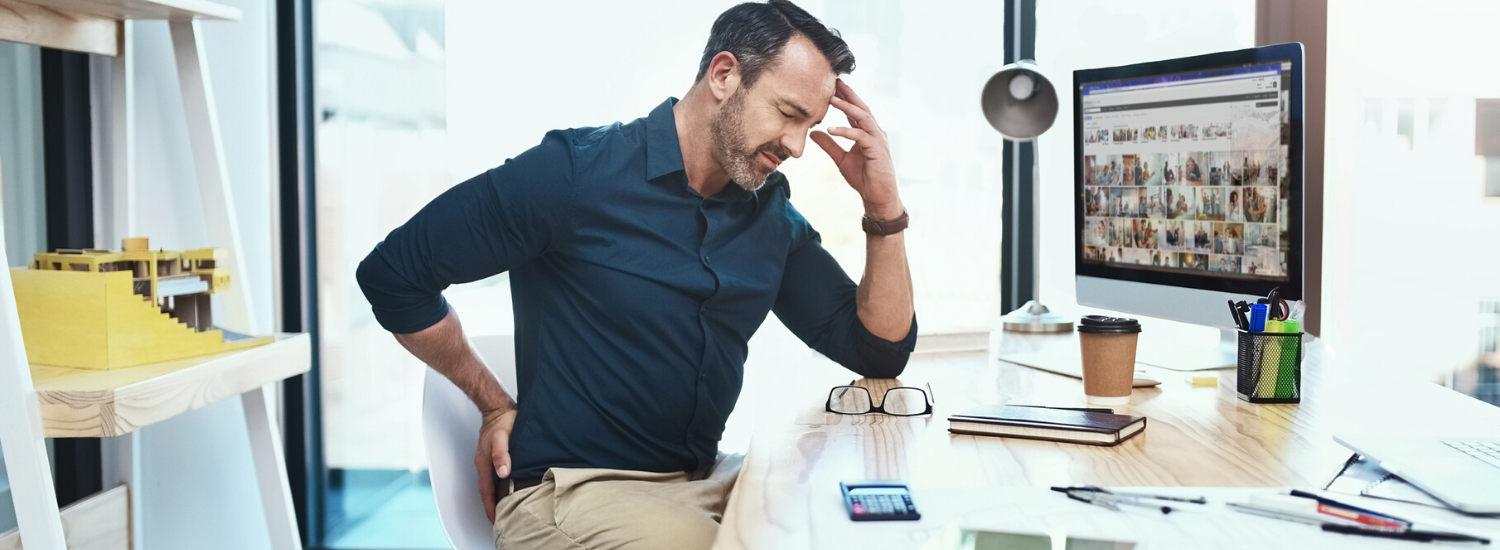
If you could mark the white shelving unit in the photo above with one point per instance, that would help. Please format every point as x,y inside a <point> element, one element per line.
<point>37,402</point>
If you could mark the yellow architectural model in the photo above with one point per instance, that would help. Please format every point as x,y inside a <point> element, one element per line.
<point>98,309</point>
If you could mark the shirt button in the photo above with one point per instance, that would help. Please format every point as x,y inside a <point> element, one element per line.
<point>706,261</point>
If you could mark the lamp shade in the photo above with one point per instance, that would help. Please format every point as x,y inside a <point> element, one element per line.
<point>1019,102</point>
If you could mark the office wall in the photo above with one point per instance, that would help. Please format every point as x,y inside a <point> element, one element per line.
<point>197,477</point>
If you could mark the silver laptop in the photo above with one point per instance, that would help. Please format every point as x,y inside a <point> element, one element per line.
<point>1462,472</point>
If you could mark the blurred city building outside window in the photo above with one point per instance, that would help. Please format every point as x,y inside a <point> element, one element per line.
<point>1408,171</point>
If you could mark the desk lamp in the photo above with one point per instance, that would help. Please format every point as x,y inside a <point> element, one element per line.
<point>1021,104</point>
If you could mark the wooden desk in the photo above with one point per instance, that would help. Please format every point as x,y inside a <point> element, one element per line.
<point>787,495</point>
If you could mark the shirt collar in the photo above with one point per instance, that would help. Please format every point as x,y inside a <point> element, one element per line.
<point>664,151</point>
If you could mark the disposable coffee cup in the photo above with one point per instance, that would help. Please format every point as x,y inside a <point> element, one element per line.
<point>1108,345</point>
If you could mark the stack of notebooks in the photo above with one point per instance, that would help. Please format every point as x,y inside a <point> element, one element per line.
<point>1046,424</point>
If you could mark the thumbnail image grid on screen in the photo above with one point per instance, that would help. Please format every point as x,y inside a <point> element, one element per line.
<point>1191,187</point>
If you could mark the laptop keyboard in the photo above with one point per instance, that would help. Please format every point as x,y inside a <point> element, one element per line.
<point>1487,452</point>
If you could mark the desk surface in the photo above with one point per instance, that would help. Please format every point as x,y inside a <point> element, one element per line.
<point>787,495</point>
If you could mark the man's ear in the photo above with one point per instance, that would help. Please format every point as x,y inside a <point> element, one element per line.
<point>723,75</point>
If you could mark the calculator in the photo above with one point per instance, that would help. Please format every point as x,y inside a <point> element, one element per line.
<point>878,501</point>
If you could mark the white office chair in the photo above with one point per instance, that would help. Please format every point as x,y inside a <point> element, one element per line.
<point>450,424</point>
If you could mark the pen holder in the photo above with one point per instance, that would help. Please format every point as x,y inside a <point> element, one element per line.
<point>1269,367</point>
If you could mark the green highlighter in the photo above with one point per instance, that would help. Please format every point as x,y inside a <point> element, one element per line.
<point>1278,377</point>
<point>1270,363</point>
<point>1287,377</point>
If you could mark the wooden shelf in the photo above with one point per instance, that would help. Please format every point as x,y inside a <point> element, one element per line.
<point>95,403</point>
<point>146,9</point>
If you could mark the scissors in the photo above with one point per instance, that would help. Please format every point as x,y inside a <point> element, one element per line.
<point>1279,311</point>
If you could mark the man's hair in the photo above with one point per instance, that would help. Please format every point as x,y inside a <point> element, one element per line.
<point>757,32</point>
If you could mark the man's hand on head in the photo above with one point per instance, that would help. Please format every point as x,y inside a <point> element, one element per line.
<point>867,165</point>
<point>493,456</point>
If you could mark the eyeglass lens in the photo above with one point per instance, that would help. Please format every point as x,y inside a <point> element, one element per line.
<point>898,401</point>
<point>904,401</point>
<point>850,400</point>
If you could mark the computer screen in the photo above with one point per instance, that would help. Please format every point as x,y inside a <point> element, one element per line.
<point>1186,175</point>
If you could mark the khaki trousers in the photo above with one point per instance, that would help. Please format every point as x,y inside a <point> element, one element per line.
<point>599,509</point>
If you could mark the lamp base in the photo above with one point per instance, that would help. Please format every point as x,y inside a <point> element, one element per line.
<point>1035,317</point>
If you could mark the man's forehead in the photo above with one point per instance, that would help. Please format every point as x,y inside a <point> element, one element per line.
<point>801,76</point>
<point>803,100</point>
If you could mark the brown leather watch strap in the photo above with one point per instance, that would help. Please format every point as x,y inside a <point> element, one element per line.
<point>881,228</point>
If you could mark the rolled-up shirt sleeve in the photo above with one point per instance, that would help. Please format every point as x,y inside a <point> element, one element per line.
<point>481,227</point>
<point>818,303</point>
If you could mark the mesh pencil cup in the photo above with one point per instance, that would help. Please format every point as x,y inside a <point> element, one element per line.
<point>1269,367</point>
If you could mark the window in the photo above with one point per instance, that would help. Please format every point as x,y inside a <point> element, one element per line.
<point>1405,180</point>
<point>381,133</point>
<point>1487,142</point>
<point>20,180</point>
<point>21,152</point>
<point>1083,35</point>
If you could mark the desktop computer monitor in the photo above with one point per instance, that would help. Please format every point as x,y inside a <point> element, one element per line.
<point>1189,180</point>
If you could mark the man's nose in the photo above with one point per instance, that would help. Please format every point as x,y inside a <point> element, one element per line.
<point>794,142</point>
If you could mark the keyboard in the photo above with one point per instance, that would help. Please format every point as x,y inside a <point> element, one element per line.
<point>1487,452</point>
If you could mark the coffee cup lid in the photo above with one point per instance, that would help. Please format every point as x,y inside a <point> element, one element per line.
<point>1101,324</point>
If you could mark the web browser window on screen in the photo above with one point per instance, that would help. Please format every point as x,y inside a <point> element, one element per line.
<point>1187,172</point>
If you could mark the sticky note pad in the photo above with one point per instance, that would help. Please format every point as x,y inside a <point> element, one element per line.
<point>1204,381</point>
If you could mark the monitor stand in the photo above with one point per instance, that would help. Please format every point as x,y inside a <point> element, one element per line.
<point>1194,357</point>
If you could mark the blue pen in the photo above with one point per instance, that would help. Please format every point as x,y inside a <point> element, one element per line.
<point>1258,314</point>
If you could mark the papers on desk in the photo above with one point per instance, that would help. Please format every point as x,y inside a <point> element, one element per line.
<point>953,538</point>
<point>1367,479</point>
<point>1038,511</point>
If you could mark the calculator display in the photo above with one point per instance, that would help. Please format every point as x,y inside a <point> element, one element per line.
<point>862,491</point>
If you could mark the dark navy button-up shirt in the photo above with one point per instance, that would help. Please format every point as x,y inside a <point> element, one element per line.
<point>634,296</point>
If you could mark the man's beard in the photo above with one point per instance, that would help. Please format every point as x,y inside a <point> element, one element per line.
<point>742,163</point>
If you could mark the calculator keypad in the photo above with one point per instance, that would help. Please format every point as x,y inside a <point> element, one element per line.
<point>882,507</point>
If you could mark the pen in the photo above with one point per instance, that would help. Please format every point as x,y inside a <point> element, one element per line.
<point>1101,497</point>
<point>1422,536</point>
<point>1125,498</point>
<point>1362,515</point>
<point>1273,514</point>
<point>1199,500</point>
<point>1419,536</point>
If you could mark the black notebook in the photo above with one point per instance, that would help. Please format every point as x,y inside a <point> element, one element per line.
<point>1089,428</point>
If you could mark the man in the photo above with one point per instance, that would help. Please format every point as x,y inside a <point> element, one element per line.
<point>642,257</point>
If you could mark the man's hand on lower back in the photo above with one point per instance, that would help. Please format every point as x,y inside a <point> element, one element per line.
<point>493,456</point>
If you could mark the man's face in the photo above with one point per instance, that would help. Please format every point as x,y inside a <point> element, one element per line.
<point>759,127</point>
